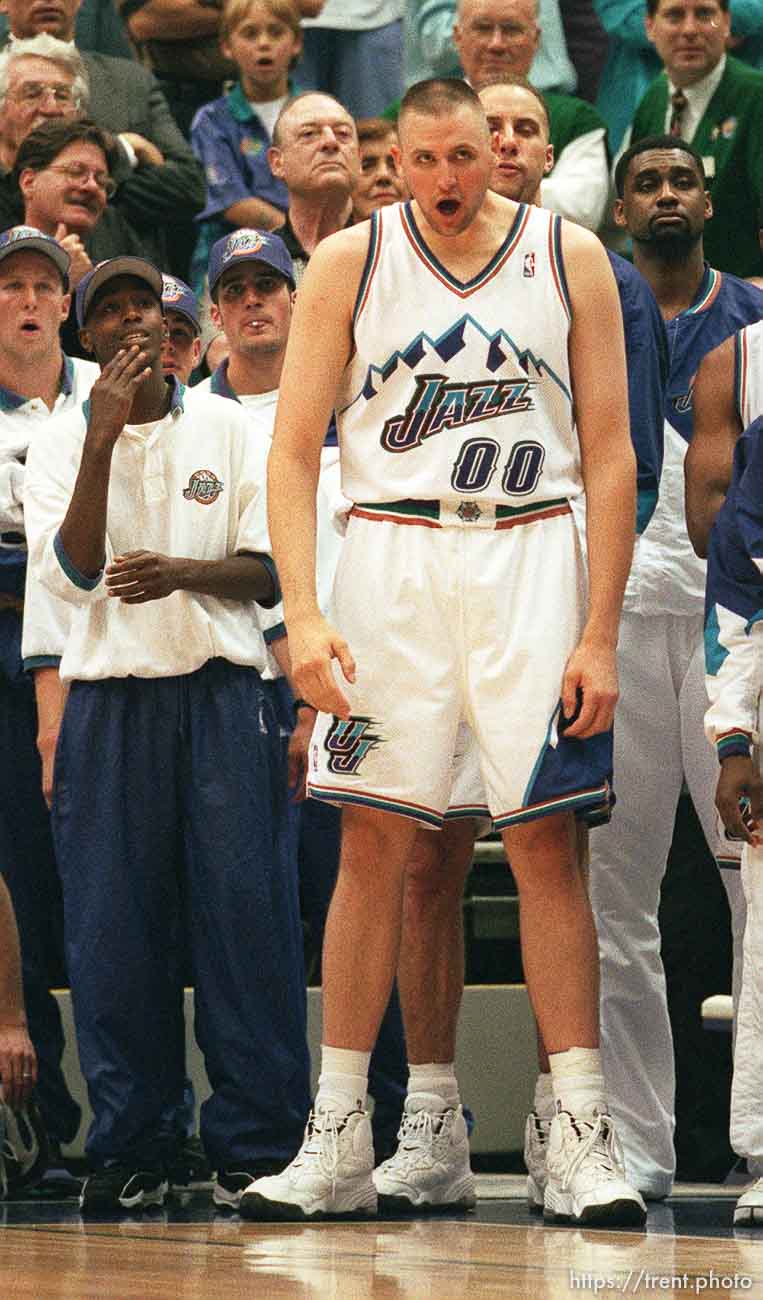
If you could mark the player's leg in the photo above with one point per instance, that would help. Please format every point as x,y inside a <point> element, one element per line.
<point>332,1173</point>
<point>627,864</point>
<point>701,769</point>
<point>244,927</point>
<point>585,1175</point>
<point>27,862</point>
<point>746,1121</point>
<point>431,1165</point>
<point>115,825</point>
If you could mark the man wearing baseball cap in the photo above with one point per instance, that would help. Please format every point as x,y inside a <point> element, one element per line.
<point>181,350</point>
<point>36,379</point>
<point>146,512</point>
<point>252,283</point>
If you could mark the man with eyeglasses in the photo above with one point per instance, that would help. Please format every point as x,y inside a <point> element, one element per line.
<point>715,102</point>
<point>62,180</point>
<point>161,185</point>
<point>39,80</point>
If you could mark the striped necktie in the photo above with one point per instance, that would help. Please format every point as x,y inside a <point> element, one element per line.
<point>678,104</point>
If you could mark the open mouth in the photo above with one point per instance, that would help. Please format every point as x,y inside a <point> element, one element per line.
<point>448,207</point>
<point>30,327</point>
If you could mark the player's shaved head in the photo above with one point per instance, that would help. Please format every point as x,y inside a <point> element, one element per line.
<point>523,84</point>
<point>439,97</point>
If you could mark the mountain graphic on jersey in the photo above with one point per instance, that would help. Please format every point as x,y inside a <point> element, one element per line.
<point>432,401</point>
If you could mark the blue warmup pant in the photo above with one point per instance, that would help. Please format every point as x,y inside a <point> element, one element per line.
<point>170,795</point>
<point>27,863</point>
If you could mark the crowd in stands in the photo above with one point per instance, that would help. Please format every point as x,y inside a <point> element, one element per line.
<point>210,146</point>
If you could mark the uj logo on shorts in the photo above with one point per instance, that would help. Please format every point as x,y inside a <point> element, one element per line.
<point>347,743</point>
<point>203,486</point>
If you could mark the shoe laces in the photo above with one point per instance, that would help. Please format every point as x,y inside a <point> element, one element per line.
<point>322,1142</point>
<point>598,1143</point>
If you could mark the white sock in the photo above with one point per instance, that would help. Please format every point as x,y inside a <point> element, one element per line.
<point>343,1081</point>
<point>578,1082</point>
<point>543,1101</point>
<point>436,1078</point>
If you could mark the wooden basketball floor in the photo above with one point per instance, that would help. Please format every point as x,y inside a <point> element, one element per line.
<point>191,1253</point>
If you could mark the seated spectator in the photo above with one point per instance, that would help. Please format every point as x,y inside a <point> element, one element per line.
<point>430,51</point>
<point>497,38</point>
<point>160,185</point>
<point>713,101</point>
<point>231,136</point>
<point>632,62</point>
<point>62,177</point>
<point>354,50</point>
<point>181,349</point>
<point>381,180</point>
<point>40,79</point>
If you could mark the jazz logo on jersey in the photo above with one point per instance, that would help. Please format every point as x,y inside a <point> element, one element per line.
<point>437,405</point>
<point>529,266</point>
<point>347,743</point>
<point>203,486</point>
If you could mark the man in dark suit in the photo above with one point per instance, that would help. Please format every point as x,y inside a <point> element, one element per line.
<point>158,177</point>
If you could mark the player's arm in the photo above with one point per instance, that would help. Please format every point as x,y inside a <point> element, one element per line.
<point>18,1063</point>
<point>711,450</point>
<point>609,475</point>
<point>50,696</point>
<point>319,347</point>
<point>140,576</point>
<point>83,532</point>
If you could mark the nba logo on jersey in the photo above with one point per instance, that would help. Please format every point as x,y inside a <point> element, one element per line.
<point>529,266</point>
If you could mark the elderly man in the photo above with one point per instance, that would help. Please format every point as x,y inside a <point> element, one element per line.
<point>315,153</point>
<point>494,38</point>
<point>40,79</point>
<point>715,102</point>
<point>160,182</point>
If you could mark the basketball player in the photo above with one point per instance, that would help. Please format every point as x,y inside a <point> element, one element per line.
<point>664,205</point>
<point>728,396</point>
<point>145,511</point>
<point>430,1165</point>
<point>437,464</point>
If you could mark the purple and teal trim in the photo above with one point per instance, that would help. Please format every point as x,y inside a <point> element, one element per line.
<point>740,372</point>
<point>276,633</point>
<point>733,743</point>
<point>371,263</point>
<point>80,580</point>
<point>592,797</point>
<point>557,263</point>
<point>464,287</point>
<point>364,799</point>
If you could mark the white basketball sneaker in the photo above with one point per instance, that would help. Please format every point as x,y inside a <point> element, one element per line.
<point>430,1169</point>
<point>329,1178</point>
<point>536,1146</point>
<point>586,1174</point>
<point>749,1207</point>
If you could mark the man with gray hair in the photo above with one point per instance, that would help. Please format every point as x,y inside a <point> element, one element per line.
<point>41,78</point>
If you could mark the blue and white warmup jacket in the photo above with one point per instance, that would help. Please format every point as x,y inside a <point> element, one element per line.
<point>192,484</point>
<point>734,604</point>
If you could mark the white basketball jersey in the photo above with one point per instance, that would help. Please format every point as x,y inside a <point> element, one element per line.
<point>460,391</point>
<point>749,372</point>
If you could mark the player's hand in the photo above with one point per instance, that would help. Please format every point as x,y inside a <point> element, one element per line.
<point>80,263</point>
<point>299,743</point>
<point>46,748</point>
<point>590,683</point>
<point>739,780</point>
<point>111,396</point>
<point>18,1064</point>
<point>313,646</point>
<point>139,576</point>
